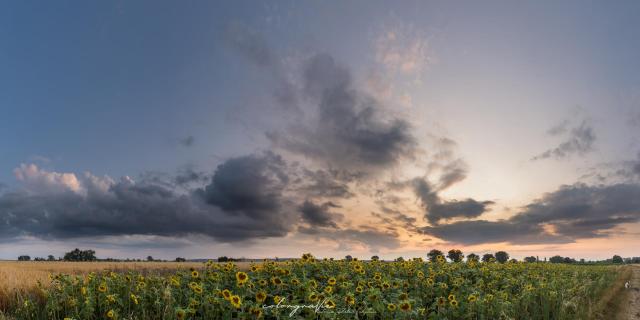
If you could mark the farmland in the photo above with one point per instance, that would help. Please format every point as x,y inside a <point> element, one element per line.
<point>307,288</point>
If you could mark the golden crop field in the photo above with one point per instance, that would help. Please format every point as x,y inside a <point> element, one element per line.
<point>313,289</point>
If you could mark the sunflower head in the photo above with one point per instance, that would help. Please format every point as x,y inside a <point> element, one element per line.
<point>329,304</point>
<point>241,277</point>
<point>261,296</point>
<point>236,301</point>
<point>180,314</point>
<point>405,306</point>
<point>391,307</point>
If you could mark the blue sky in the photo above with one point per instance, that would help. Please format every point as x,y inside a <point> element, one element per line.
<point>525,104</point>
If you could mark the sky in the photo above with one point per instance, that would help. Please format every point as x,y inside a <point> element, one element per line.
<point>270,129</point>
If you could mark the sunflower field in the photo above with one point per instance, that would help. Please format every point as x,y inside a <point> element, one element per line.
<point>310,288</point>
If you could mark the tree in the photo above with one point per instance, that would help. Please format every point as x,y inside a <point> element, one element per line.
<point>80,255</point>
<point>348,258</point>
<point>179,259</point>
<point>568,260</point>
<point>24,258</point>
<point>149,258</point>
<point>400,259</point>
<point>51,258</point>
<point>616,259</point>
<point>530,259</point>
<point>502,256</point>
<point>455,255</point>
<point>487,257</point>
<point>433,255</point>
<point>473,257</point>
<point>556,259</point>
<point>375,258</point>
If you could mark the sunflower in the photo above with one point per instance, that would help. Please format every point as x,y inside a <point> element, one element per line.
<point>111,314</point>
<point>405,306</point>
<point>391,307</point>
<point>313,284</point>
<point>430,281</point>
<point>359,289</point>
<point>451,297</point>
<point>236,301</point>
<point>254,268</point>
<point>403,296</point>
<point>420,274</point>
<point>256,312</point>
<point>443,285</point>
<point>329,304</point>
<point>83,290</point>
<point>349,300</point>
<point>442,301</point>
<point>102,287</point>
<point>180,314</point>
<point>241,277</point>
<point>261,296</point>
<point>313,297</point>
<point>226,294</point>
<point>472,298</point>
<point>377,277</point>
<point>328,289</point>
<point>332,281</point>
<point>263,282</point>
<point>134,298</point>
<point>277,299</point>
<point>453,303</point>
<point>277,281</point>
<point>197,289</point>
<point>386,285</point>
<point>175,281</point>
<point>195,274</point>
<point>295,282</point>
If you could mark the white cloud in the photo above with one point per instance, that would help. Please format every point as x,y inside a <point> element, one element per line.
<point>39,180</point>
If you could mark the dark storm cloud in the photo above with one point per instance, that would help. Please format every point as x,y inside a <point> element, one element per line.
<point>436,209</point>
<point>580,141</point>
<point>319,215</point>
<point>249,185</point>
<point>241,202</point>
<point>572,212</point>
<point>482,231</point>
<point>349,130</point>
